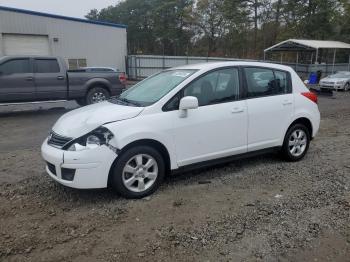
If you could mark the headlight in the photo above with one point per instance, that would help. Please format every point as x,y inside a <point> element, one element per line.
<point>98,137</point>
<point>341,82</point>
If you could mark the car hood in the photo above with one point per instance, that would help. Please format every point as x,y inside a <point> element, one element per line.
<point>333,80</point>
<point>85,119</point>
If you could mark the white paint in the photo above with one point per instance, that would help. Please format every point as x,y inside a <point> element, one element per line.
<point>206,133</point>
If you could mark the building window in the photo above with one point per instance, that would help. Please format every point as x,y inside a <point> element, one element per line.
<point>77,63</point>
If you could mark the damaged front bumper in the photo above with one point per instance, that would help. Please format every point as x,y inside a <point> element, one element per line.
<point>83,169</point>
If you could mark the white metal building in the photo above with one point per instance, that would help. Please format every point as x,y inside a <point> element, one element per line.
<point>81,42</point>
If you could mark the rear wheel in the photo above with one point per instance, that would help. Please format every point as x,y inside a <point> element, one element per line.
<point>138,172</point>
<point>96,95</point>
<point>296,142</point>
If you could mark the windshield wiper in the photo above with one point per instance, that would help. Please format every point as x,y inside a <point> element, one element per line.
<point>127,101</point>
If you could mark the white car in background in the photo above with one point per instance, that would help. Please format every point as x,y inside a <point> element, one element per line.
<point>338,81</point>
<point>180,119</point>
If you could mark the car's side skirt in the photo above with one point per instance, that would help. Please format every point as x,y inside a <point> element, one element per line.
<point>201,165</point>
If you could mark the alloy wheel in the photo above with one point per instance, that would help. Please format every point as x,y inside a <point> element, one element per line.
<point>297,143</point>
<point>140,173</point>
<point>98,97</point>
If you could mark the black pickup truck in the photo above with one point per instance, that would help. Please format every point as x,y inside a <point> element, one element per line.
<point>33,78</point>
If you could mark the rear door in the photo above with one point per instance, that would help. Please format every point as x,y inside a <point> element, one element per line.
<point>270,106</point>
<point>16,80</point>
<point>50,80</point>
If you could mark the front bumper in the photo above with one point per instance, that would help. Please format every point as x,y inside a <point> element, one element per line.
<point>332,86</point>
<point>91,166</point>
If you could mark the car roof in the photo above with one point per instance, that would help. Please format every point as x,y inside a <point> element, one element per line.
<point>214,65</point>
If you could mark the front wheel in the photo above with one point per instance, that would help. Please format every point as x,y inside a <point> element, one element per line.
<point>347,87</point>
<point>96,95</point>
<point>296,142</point>
<point>138,172</point>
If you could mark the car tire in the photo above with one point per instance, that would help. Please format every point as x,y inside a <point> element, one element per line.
<point>296,143</point>
<point>133,176</point>
<point>96,95</point>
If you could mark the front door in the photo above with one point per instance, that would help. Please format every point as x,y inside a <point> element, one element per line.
<point>50,80</point>
<point>218,128</point>
<point>16,80</point>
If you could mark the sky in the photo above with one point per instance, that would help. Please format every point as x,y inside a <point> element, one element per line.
<point>74,8</point>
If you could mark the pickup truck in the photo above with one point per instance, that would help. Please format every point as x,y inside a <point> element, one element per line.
<point>34,78</point>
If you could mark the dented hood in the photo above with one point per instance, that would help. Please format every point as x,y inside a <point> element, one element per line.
<point>85,119</point>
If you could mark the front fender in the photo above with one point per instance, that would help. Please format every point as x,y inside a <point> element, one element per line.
<point>133,133</point>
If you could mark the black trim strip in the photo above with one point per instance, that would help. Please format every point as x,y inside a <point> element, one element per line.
<point>224,160</point>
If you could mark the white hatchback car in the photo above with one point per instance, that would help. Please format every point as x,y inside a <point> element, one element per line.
<point>182,118</point>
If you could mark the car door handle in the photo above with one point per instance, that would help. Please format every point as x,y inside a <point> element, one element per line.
<point>29,78</point>
<point>287,102</point>
<point>60,78</point>
<point>237,110</point>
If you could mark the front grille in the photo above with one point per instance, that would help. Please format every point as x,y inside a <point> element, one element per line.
<point>57,140</point>
<point>52,168</point>
<point>328,83</point>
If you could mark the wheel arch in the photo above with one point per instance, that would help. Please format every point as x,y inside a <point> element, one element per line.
<point>305,121</point>
<point>145,142</point>
<point>98,83</point>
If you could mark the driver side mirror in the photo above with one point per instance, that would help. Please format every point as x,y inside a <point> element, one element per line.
<point>186,103</point>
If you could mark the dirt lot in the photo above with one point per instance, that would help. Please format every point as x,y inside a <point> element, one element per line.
<point>259,209</point>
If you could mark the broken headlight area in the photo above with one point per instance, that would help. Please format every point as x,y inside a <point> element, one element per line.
<point>96,138</point>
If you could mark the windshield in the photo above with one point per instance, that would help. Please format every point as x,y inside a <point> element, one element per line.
<point>150,90</point>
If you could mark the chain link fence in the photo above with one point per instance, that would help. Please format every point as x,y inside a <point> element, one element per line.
<point>142,66</point>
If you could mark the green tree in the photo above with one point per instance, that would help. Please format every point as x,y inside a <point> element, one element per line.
<point>234,28</point>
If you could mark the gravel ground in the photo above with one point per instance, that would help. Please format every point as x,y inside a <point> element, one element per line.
<point>258,209</point>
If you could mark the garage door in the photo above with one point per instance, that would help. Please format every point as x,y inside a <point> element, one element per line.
<point>26,44</point>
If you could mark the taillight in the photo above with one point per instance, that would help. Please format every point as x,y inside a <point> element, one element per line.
<point>122,78</point>
<point>310,95</point>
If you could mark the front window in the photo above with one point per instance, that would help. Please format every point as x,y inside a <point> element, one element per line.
<point>15,66</point>
<point>152,89</point>
<point>215,87</point>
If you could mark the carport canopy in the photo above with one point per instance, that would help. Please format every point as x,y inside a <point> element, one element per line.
<point>306,45</point>
<point>298,45</point>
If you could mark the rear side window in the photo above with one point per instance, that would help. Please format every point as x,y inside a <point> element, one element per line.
<point>266,82</point>
<point>46,66</point>
<point>282,82</point>
<point>15,66</point>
